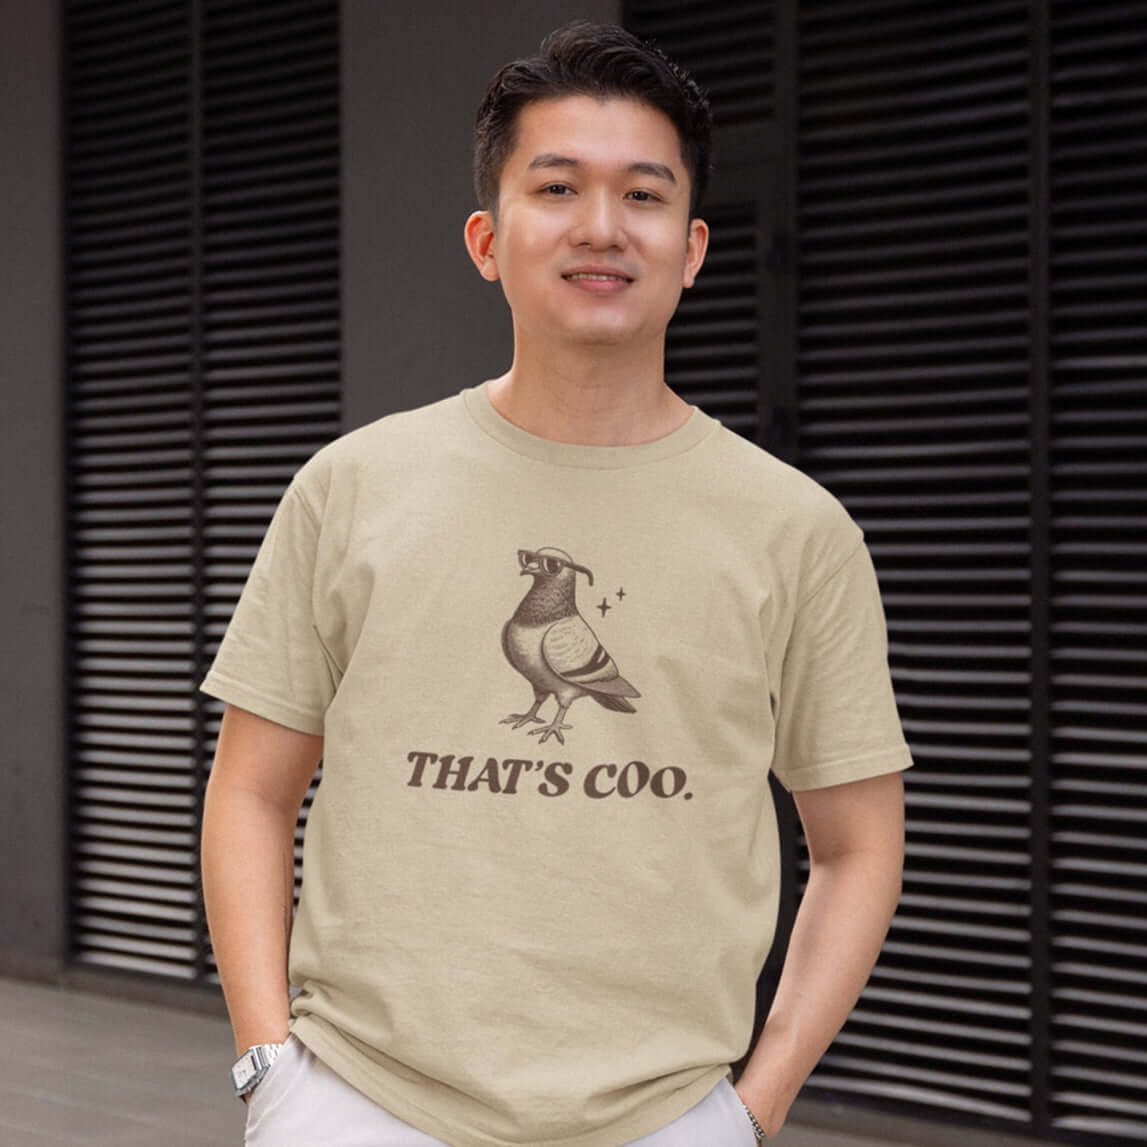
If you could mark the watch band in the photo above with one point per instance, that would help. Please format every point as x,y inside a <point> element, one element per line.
<point>252,1065</point>
<point>758,1130</point>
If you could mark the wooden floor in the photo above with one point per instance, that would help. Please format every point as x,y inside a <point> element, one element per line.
<point>82,1069</point>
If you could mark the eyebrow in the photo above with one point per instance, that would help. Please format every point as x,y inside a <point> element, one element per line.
<point>641,166</point>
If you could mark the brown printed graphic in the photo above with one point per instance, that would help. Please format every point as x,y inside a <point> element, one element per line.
<point>510,776</point>
<point>551,645</point>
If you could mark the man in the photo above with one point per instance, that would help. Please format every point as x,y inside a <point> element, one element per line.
<point>541,869</point>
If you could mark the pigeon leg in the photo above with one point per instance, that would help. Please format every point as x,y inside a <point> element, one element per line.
<point>553,729</point>
<point>519,719</point>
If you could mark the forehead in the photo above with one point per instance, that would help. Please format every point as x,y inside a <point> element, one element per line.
<point>607,132</point>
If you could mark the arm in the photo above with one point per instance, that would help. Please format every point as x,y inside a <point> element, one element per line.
<point>855,835</point>
<point>257,783</point>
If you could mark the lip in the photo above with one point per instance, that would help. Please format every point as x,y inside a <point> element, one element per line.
<point>598,286</point>
<point>597,269</point>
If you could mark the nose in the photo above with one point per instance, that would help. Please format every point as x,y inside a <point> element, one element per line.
<point>600,220</point>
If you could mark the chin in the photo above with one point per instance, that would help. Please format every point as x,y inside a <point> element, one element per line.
<point>600,338</point>
<point>601,331</point>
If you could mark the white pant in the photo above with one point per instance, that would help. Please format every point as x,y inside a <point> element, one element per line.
<point>301,1102</point>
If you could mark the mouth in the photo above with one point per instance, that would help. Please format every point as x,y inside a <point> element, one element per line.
<point>597,276</point>
<point>598,284</point>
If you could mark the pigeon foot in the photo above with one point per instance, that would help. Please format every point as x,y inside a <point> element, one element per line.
<point>551,730</point>
<point>519,719</point>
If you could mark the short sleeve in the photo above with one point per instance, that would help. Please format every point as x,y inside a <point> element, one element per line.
<point>271,659</point>
<point>836,718</point>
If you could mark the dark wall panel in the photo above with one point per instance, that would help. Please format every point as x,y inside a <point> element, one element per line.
<point>33,819</point>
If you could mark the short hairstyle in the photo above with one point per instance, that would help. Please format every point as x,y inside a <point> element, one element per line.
<point>600,60</point>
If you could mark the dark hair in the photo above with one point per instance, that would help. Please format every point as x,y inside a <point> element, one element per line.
<point>601,60</point>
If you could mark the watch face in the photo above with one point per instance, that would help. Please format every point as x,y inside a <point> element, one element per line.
<point>243,1071</point>
<point>252,1065</point>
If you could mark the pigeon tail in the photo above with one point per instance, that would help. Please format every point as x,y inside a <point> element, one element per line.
<point>617,704</point>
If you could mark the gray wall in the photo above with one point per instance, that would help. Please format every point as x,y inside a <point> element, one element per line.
<point>32,606</point>
<point>419,322</point>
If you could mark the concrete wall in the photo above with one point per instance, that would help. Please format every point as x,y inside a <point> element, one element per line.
<point>33,744</point>
<point>419,322</point>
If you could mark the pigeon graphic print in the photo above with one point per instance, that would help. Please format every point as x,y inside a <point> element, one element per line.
<point>551,645</point>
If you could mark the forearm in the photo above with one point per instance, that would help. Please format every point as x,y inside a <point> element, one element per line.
<point>248,869</point>
<point>837,935</point>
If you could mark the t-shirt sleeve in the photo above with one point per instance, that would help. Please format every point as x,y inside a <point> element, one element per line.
<point>836,718</point>
<point>271,659</point>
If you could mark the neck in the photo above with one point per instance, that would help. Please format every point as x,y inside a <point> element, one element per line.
<point>598,402</point>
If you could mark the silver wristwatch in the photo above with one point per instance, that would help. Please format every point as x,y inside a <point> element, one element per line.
<point>252,1065</point>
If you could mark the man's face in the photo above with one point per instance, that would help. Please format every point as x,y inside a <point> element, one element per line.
<point>555,217</point>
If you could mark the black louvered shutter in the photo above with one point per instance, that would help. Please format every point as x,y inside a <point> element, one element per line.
<point>202,223</point>
<point>913,360</point>
<point>1098,593</point>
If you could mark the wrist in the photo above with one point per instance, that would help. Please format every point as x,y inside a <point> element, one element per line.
<point>758,1130</point>
<point>253,1064</point>
<point>767,1091</point>
<point>250,1037</point>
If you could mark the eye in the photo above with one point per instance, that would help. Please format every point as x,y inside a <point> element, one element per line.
<point>551,186</point>
<point>651,198</point>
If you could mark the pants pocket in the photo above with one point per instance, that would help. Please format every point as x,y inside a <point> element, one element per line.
<point>268,1092</point>
<point>747,1135</point>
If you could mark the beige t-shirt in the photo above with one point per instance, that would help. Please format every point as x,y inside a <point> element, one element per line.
<point>515,929</point>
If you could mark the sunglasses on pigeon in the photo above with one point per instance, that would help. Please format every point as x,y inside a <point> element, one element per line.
<point>549,563</point>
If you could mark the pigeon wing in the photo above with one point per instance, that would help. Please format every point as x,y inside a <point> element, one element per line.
<point>573,652</point>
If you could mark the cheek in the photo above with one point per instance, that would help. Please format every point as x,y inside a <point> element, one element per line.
<point>527,257</point>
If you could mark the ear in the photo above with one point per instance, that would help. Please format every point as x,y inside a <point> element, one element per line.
<point>696,246</point>
<point>479,237</point>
